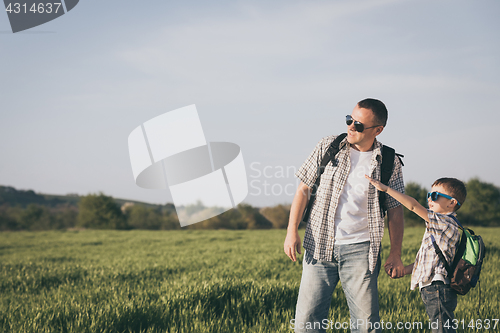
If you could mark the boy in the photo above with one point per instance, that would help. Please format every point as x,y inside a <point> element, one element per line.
<point>428,272</point>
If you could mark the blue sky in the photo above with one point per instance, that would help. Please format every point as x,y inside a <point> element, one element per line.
<point>272,77</point>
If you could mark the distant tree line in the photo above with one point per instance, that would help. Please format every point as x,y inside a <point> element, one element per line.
<point>26,210</point>
<point>37,217</point>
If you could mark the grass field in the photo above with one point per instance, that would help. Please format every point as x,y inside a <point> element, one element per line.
<point>190,281</point>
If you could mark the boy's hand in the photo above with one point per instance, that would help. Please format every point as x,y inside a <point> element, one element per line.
<point>409,269</point>
<point>377,184</point>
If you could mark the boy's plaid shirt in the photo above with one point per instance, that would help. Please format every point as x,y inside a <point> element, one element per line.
<point>320,231</point>
<point>427,263</point>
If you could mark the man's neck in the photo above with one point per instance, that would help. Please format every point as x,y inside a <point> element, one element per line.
<point>363,148</point>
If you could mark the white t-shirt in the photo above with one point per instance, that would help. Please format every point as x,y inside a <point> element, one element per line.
<point>351,216</point>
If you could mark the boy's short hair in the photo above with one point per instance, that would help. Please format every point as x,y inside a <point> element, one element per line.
<point>455,188</point>
<point>378,108</point>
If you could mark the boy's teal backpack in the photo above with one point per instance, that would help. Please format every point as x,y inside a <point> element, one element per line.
<point>466,267</point>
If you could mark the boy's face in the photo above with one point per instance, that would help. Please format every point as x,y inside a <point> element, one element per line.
<point>442,205</point>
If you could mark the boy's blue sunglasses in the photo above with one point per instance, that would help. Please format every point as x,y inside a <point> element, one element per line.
<point>435,195</point>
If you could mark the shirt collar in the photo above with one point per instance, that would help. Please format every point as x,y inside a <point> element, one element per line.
<point>377,147</point>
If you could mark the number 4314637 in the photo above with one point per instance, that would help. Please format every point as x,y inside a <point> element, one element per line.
<point>39,8</point>
<point>478,324</point>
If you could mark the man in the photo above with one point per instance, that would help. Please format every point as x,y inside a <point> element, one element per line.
<point>345,228</point>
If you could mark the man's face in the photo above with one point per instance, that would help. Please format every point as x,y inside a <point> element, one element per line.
<point>363,141</point>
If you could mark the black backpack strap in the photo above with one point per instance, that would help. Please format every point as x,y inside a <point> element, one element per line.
<point>400,157</point>
<point>441,256</point>
<point>388,155</point>
<point>460,250</point>
<point>330,154</point>
<point>462,243</point>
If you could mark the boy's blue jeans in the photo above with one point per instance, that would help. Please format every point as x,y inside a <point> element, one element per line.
<point>440,301</point>
<point>319,279</point>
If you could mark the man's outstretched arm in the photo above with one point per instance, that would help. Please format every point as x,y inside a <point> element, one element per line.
<point>292,240</point>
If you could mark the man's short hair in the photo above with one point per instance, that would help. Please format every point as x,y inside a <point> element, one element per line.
<point>455,188</point>
<point>378,108</point>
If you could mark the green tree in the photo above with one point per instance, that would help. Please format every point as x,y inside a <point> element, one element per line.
<point>36,217</point>
<point>65,216</point>
<point>418,192</point>
<point>253,218</point>
<point>169,220</point>
<point>244,216</point>
<point>98,211</point>
<point>230,219</point>
<point>482,205</point>
<point>278,215</point>
<point>10,217</point>
<point>140,217</point>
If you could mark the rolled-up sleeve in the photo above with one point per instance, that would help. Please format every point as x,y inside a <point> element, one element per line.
<point>308,172</point>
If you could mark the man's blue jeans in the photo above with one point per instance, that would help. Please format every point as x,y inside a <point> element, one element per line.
<point>319,279</point>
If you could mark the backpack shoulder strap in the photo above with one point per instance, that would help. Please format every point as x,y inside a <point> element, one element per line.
<point>462,243</point>
<point>330,154</point>
<point>458,222</point>
<point>388,154</point>
<point>400,157</point>
<point>443,259</point>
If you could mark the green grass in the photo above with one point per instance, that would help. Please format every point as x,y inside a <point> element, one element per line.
<point>187,281</point>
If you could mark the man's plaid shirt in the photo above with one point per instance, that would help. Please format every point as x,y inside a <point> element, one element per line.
<point>320,231</point>
<point>446,232</point>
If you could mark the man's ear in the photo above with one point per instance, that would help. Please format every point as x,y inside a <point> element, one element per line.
<point>379,130</point>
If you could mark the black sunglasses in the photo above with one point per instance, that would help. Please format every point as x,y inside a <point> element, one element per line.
<point>357,125</point>
<point>435,195</point>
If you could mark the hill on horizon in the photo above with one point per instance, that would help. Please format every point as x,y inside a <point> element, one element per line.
<point>14,197</point>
